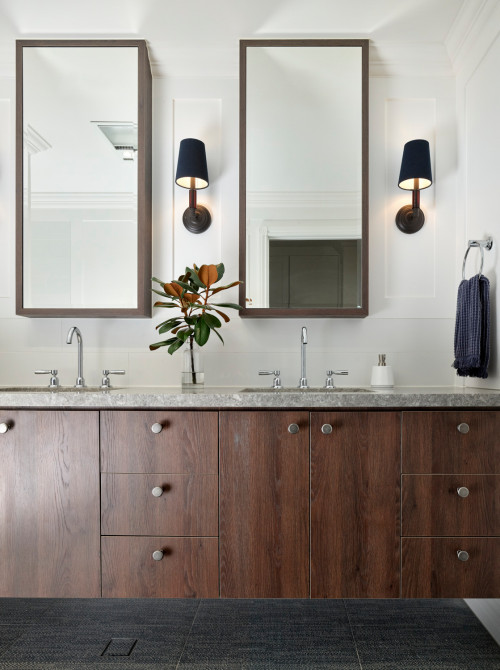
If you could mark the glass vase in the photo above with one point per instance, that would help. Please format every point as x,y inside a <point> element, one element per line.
<point>192,364</point>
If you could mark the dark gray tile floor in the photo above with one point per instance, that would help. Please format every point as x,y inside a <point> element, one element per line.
<point>243,634</point>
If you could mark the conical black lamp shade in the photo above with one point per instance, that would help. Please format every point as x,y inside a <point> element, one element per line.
<point>415,173</point>
<point>192,173</point>
<point>192,169</point>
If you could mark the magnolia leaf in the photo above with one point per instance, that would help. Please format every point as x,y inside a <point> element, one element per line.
<point>168,325</point>
<point>223,288</point>
<point>208,275</point>
<point>201,332</point>
<point>162,293</point>
<point>174,346</point>
<point>224,316</point>
<point>220,271</point>
<point>212,321</point>
<point>219,336</point>
<point>194,277</point>
<point>231,305</point>
<point>192,297</point>
<point>173,289</point>
<point>165,304</point>
<point>158,281</point>
<point>186,287</point>
<point>165,343</point>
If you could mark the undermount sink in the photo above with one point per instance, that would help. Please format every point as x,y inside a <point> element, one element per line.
<point>48,389</point>
<point>312,389</point>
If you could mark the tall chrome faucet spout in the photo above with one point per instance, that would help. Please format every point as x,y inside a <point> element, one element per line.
<point>80,381</point>
<point>303,375</point>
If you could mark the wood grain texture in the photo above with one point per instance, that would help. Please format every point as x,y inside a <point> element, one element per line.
<point>187,443</point>
<point>433,445</point>
<point>188,505</point>
<point>432,506</point>
<point>49,504</point>
<point>189,568</point>
<point>264,505</point>
<point>355,502</point>
<point>431,568</point>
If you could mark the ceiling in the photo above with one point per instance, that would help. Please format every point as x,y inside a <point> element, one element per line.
<point>181,30</point>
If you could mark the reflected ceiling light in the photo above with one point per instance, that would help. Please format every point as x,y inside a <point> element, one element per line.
<point>415,175</point>
<point>192,173</point>
<point>122,135</point>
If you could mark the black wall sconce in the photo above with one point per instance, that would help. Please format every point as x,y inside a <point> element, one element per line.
<point>192,173</point>
<point>415,175</point>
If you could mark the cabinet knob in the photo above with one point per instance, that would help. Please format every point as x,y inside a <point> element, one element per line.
<point>462,555</point>
<point>157,555</point>
<point>157,491</point>
<point>157,428</point>
<point>463,491</point>
<point>4,427</point>
<point>463,428</point>
<point>293,428</point>
<point>326,429</point>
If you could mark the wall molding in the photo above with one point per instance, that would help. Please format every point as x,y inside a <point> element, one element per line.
<point>55,200</point>
<point>472,22</point>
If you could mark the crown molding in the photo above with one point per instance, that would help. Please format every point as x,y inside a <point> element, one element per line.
<point>472,33</point>
<point>409,59</point>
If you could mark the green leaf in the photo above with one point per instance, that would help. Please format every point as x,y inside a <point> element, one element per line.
<point>194,278</point>
<point>201,332</point>
<point>174,346</point>
<point>162,293</point>
<point>220,271</point>
<point>168,325</point>
<point>165,343</point>
<point>212,321</point>
<point>232,305</point>
<point>184,334</point>
<point>158,281</point>
<point>219,336</point>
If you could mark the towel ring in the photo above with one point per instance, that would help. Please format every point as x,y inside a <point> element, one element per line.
<point>482,244</point>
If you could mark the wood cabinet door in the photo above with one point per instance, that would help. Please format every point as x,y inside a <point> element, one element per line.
<point>49,504</point>
<point>355,503</point>
<point>264,504</point>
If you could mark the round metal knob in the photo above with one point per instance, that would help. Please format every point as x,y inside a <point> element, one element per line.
<point>157,428</point>
<point>463,428</point>
<point>462,555</point>
<point>157,491</point>
<point>157,555</point>
<point>463,491</point>
<point>326,429</point>
<point>4,427</point>
<point>293,428</point>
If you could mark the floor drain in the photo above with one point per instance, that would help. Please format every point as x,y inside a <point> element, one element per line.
<point>119,646</point>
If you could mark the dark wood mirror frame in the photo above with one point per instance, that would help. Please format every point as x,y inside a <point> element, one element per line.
<point>144,230</point>
<point>257,312</point>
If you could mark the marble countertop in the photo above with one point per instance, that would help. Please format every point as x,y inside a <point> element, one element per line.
<point>237,397</point>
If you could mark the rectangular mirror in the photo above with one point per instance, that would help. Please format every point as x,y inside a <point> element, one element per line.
<point>304,178</point>
<point>83,178</point>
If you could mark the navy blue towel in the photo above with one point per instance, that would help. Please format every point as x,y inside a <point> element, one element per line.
<point>472,328</point>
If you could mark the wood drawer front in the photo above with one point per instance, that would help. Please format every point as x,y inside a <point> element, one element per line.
<point>431,568</point>
<point>187,443</point>
<point>187,506</point>
<point>432,442</point>
<point>188,569</point>
<point>432,505</point>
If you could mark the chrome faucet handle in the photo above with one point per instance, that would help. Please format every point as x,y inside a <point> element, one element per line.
<point>329,384</point>
<point>54,380</point>
<point>105,383</point>
<point>277,378</point>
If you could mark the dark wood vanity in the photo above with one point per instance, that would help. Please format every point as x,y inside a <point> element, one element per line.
<point>249,503</point>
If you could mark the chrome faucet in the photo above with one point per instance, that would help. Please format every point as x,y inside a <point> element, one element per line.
<point>80,381</point>
<point>303,342</point>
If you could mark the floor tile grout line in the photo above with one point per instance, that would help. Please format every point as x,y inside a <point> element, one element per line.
<point>352,634</point>
<point>189,634</point>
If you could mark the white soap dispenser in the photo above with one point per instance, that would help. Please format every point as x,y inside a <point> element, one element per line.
<point>382,374</point>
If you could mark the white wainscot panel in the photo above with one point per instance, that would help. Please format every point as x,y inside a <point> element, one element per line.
<point>6,234</point>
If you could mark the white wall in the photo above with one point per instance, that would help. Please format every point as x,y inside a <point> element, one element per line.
<point>478,102</point>
<point>412,294</point>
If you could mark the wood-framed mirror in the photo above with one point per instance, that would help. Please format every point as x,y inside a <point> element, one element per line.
<point>83,178</point>
<point>304,178</point>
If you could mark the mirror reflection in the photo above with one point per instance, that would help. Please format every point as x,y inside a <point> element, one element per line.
<point>80,146</point>
<point>304,142</point>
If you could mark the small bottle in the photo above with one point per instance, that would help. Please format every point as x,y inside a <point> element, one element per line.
<point>382,374</point>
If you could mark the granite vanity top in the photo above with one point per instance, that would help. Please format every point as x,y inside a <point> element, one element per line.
<point>237,397</point>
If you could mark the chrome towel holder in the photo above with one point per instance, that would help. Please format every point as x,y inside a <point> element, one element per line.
<point>482,244</point>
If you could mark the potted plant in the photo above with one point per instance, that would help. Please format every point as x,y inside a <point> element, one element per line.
<point>192,294</point>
